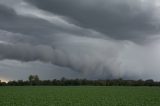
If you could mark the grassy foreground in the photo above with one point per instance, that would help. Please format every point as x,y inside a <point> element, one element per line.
<point>79,96</point>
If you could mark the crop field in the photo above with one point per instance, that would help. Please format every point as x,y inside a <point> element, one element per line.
<point>79,96</point>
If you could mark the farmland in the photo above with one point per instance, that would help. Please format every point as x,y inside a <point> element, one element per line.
<point>79,96</point>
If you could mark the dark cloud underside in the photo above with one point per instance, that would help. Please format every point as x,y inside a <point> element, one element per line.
<point>94,39</point>
<point>117,19</point>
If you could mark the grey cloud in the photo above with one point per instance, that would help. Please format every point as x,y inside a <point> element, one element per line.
<point>83,50</point>
<point>29,26</point>
<point>91,57</point>
<point>37,28</point>
<point>123,19</point>
<point>16,70</point>
<point>12,22</point>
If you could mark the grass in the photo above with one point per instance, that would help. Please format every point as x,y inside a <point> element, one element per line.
<point>79,96</point>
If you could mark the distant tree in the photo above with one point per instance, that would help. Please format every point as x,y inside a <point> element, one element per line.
<point>36,78</point>
<point>139,82</point>
<point>149,82</point>
<point>33,79</point>
<point>20,82</point>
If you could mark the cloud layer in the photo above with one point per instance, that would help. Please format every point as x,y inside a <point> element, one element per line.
<point>86,39</point>
<point>134,19</point>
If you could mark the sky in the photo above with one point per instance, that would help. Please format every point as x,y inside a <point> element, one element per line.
<point>92,39</point>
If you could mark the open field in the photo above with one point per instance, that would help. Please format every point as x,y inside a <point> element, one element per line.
<point>79,96</point>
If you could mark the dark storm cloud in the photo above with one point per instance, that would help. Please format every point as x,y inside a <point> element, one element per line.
<point>6,13</point>
<point>36,27</point>
<point>68,34</point>
<point>119,19</point>
<point>86,56</point>
<point>12,22</point>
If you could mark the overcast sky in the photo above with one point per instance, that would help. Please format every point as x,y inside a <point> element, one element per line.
<point>93,39</point>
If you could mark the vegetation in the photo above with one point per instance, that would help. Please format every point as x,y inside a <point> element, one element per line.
<point>79,96</point>
<point>79,92</point>
<point>34,80</point>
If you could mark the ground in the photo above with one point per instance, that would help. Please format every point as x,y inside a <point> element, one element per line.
<point>79,96</point>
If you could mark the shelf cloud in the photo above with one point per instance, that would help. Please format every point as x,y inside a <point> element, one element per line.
<point>104,39</point>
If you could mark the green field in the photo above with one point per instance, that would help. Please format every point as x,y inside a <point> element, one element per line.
<point>79,96</point>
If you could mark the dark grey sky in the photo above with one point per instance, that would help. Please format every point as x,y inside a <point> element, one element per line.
<point>92,39</point>
<point>119,19</point>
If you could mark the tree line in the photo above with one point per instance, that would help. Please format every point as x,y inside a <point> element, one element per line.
<point>33,80</point>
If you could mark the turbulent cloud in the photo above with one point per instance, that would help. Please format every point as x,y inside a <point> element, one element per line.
<point>134,19</point>
<point>85,39</point>
<point>92,57</point>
